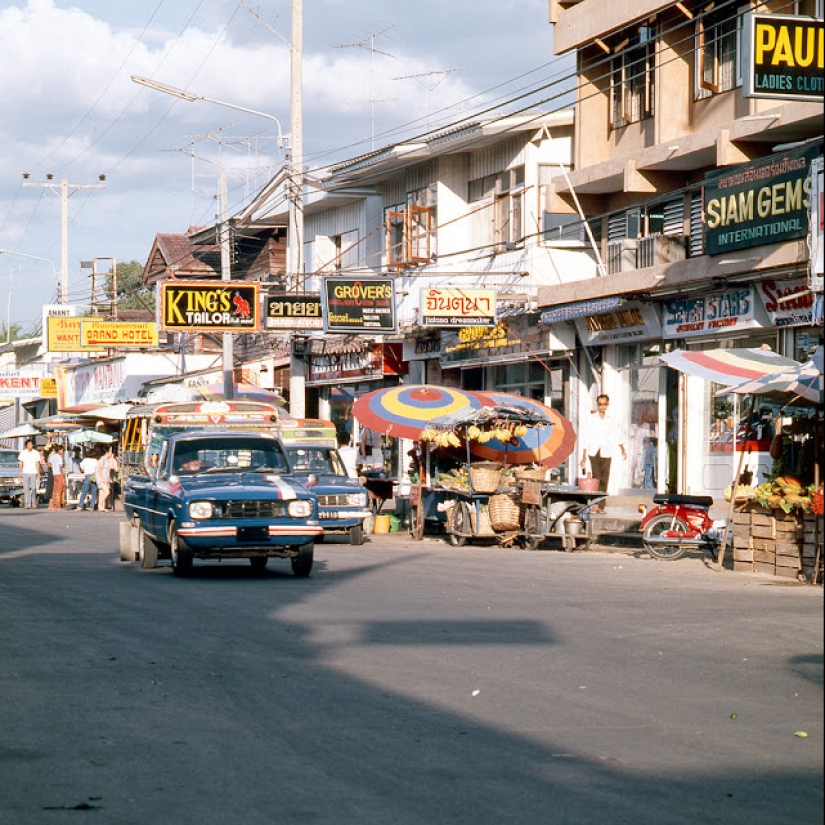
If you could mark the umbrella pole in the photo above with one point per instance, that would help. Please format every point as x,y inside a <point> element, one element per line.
<point>721,560</point>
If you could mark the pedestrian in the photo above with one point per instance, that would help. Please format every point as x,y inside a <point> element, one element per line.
<point>58,499</point>
<point>349,455</point>
<point>29,473</point>
<point>600,440</point>
<point>46,469</point>
<point>105,466</point>
<point>74,461</point>
<point>89,489</point>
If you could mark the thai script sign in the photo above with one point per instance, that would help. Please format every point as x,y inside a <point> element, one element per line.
<point>764,202</point>
<point>631,322</point>
<point>365,305</point>
<point>346,366</point>
<point>788,303</point>
<point>457,307</point>
<point>63,334</point>
<point>727,311</point>
<point>293,311</point>
<point>783,57</point>
<point>118,333</point>
<point>210,306</point>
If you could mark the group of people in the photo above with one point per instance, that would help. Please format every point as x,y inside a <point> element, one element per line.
<point>99,476</point>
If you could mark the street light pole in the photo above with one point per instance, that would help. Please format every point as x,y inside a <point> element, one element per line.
<point>226,275</point>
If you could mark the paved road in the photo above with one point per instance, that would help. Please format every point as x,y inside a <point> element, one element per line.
<point>407,683</point>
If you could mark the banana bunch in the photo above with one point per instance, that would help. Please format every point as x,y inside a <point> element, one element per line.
<point>428,434</point>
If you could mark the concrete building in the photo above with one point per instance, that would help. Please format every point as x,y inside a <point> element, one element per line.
<point>692,161</point>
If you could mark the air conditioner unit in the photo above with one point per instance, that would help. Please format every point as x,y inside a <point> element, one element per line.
<point>621,255</point>
<point>660,249</point>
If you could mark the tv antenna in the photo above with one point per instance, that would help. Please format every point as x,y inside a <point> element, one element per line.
<point>430,81</point>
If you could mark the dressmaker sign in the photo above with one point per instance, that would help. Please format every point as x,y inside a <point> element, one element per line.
<point>458,307</point>
<point>729,311</point>
<point>365,305</point>
<point>760,203</point>
<point>211,306</point>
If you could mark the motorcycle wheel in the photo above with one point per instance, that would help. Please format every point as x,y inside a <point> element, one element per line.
<point>655,528</point>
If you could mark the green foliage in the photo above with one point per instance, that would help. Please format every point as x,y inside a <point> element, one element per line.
<point>11,332</point>
<point>131,291</point>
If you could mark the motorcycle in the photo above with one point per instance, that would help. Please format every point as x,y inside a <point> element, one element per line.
<point>679,523</point>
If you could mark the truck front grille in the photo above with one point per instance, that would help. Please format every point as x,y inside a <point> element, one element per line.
<point>251,509</point>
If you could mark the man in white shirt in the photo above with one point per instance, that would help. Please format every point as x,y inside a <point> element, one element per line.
<point>600,440</point>
<point>29,473</point>
<point>349,455</point>
<point>89,489</point>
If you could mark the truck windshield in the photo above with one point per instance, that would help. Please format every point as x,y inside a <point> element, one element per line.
<point>306,460</point>
<point>216,455</point>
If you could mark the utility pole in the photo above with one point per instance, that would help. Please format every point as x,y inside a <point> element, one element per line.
<point>63,296</point>
<point>226,275</point>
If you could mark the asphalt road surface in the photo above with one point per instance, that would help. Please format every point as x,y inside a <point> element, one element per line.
<point>404,682</point>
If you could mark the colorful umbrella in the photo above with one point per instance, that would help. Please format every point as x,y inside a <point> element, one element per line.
<point>548,444</point>
<point>404,411</point>
<point>727,366</point>
<point>90,436</point>
<point>802,384</point>
<point>242,392</point>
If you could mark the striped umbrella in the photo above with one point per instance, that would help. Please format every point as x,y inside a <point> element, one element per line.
<point>728,366</point>
<point>802,383</point>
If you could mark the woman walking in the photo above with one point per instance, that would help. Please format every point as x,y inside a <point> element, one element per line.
<point>58,499</point>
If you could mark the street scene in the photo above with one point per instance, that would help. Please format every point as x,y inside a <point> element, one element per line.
<point>403,681</point>
<point>412,414</point>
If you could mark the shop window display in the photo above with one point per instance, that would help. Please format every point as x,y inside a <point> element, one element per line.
<point>643,421</point>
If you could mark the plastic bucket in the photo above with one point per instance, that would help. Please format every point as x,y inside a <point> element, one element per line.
<point>395,524</point>
<point>382,524</point>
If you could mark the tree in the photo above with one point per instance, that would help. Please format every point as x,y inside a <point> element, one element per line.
<point>132,293</point>
<point>10,333</point>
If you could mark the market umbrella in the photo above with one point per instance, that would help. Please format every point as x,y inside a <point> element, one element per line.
<point>21,431</point>
<point>90,436</point>
<point>111,412</point>
<point>404,411</point>
<point>548,442</point>
<point>727,366</point>
<point>241,392</point>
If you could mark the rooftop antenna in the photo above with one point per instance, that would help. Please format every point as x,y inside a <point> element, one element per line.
<point>368,43</point>
<point>436,77</point>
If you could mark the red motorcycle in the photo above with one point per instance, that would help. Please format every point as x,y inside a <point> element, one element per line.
<point>679,523</point>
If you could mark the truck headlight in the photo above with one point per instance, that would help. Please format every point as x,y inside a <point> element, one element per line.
<point>357,499</point>
<point>201,510</point>
<point>299,508</point>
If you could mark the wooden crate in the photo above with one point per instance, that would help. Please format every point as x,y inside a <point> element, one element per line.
<point>766,545</point>
<point>742,566</point>
<point>764,567</point>
<point>743,554</point>
<point>787,572</point>
<point>763,556</point>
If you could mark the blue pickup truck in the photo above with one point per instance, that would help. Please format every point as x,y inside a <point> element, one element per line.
<point>219,495</point>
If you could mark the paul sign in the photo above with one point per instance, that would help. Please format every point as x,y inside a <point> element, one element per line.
<point>210,307</point>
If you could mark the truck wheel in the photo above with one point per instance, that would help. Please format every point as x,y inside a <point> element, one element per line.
<point>259,563</point>
<point>15,502</point>
<point>302,563</point>
<point>147,550</point>
<point>356,534</point>
<point>181,558</point>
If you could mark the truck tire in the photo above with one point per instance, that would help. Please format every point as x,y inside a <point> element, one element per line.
<point>147,550</point>
<point>302,563</point>
<point>181,557</point>
<point>356,534</point>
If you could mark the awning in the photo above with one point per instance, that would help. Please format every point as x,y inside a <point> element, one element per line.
<point>727,366</point>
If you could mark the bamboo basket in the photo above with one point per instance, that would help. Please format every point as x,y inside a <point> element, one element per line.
<point>505,513</point>
<point>485,479</point>
<point>530,473</point>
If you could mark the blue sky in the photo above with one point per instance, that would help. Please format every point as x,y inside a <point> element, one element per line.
<point>374,73</point>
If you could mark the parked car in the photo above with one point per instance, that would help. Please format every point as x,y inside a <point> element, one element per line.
<point>220,495</point>
<point>343,503</point>
<point>11,487</point>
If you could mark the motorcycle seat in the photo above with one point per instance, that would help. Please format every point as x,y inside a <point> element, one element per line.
<point>678,498</point>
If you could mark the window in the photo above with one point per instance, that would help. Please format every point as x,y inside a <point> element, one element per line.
<point>717,47</point>
<point>808,8</point>
<point>632,78</point>
<point>506,191</point>
<point>411,229</point>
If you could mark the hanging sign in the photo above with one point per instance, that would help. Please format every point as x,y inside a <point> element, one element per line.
<point>783,57</point>
<point>359,305</point>
<point>118,333</point>
<point>788,303</point>
<point>211,306</point>
<point>63,334</point>
<point>293,311</point>
<point>457,307</point>
<point>729,311</point>
<point>633,321</point>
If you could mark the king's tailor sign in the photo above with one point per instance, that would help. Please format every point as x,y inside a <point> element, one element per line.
<point>232,306</point>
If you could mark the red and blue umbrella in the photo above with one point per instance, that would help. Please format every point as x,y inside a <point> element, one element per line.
<point>406,410</point>
<point>548,442</point>
<point>727,366</point>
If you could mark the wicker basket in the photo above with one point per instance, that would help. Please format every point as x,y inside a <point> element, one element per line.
<point>505,513</point>
<point>485,479</point>
<point>530,473</point>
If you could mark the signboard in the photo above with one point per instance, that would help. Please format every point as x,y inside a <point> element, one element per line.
<point>788,303</point>
<point>118,333</point>
<point>817,271</point>
<point>480,344</point>
<point>783,57</point>
<point>293,311</point>
<point>48,388</point>
<point>630,322</point>
<point>422,347</point>
<point>63,334</point>
<point>211,306</point>
<point>457,307</point>
<point>758,203</point>
<point>365,305</point>
<point>709,315</point>
<point>580,309</point>
<point>23,385</point>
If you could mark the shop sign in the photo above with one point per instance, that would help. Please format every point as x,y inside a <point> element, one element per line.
<point>817,270</point>
<point>479,343</point>
<point>23,385</point>
<point>293,311</point>
<point>788,303</point>
<point>48,388</point>
<point>422,347</point>
<point>580,309</point>
<point>63,334</point>
<point>632,321</point>
<point>728,311</point>
<point>457,307</point>
<point>210,306</point>
<point>346,366</point>
<point>118,333</point>
<point>365,305</point>
<point>783,57</point>
<point>762,202</point>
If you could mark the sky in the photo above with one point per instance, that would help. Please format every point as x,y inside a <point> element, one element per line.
<point>374,73</point>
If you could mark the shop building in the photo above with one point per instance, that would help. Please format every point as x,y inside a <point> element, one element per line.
<point>698,195</point>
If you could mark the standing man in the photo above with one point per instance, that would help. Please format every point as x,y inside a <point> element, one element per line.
<point>104,478</point>
<point>29,473</point>
<point>349,455</point>
<point>58,499</point>
<point>601,437</point>
<point>89,489</point>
